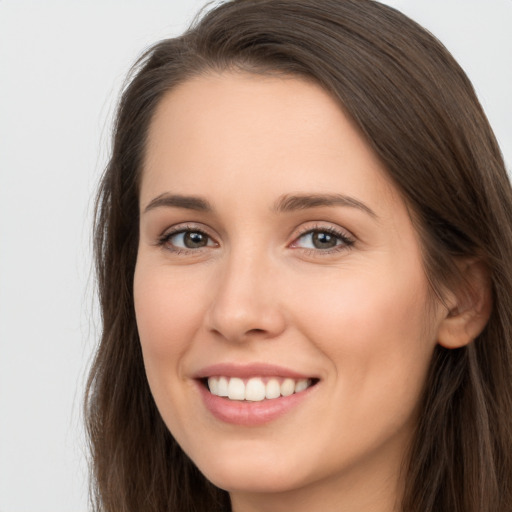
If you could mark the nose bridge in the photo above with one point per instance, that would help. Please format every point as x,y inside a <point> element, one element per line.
<point>245,302</point>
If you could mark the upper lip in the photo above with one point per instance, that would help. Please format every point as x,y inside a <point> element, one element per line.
<point>245,371</point>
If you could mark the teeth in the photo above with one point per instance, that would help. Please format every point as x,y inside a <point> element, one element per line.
<point>222,389</point>
<point>255,389</point>
<point>213,384</point>
<point>301,385</point>
<point>287,387</point>
<point>272,389</point>
<point>236,389</point>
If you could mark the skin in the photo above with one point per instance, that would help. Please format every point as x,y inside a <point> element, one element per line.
<point>260,291</point>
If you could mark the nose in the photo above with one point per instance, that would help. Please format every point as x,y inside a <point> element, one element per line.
<point>245,304</point>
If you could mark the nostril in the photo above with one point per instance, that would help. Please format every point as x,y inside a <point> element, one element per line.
<point>256,331</point>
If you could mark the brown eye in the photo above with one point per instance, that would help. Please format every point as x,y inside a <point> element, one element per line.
<point>194,239</point>
<point>323,240</point>
<point>188,239</point>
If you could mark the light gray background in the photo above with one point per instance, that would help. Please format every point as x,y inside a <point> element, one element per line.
<point>61,66</point>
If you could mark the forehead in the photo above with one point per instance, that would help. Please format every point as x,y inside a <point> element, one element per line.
<point>258,131</point>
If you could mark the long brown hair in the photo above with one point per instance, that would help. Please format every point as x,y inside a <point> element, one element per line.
<point>419,113</point>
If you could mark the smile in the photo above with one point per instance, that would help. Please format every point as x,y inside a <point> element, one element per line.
<point>256,389</point>
<point>251,395</point>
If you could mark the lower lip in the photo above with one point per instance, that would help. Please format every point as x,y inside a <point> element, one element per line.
<point>250,414</point>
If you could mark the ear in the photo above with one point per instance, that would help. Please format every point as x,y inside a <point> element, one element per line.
<point>469,307</point>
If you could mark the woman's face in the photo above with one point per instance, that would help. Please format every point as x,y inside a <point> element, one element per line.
<point>276,257</point>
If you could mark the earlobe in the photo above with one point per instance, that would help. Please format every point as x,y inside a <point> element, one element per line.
<point>469,308</point>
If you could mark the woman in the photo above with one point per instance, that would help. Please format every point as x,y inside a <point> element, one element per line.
<point>303,241</point>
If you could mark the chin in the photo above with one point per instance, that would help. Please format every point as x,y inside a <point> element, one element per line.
<point>251,478</point>
<point>250,466</point>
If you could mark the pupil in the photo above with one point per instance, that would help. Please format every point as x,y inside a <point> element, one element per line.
<point>193,240</point>
<point>322,240</point>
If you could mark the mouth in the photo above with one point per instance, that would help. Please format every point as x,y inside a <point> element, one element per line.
<point>257,388</point>
<point>252,395</point>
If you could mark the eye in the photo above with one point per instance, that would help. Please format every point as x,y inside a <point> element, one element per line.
<point>187,239</point>
<point>323,239</point>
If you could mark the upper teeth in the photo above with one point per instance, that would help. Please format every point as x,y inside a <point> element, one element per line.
<point>255,389</point>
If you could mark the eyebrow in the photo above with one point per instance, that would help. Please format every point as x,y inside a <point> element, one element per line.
<point>286,203</point>
<point>179,201</point>
<point>290,203</point>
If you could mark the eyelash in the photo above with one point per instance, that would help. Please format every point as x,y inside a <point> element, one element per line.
<point>346,241</point>
<point>163,241</point>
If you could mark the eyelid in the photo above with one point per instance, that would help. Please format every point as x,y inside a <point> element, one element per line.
<point>342,234</point>
<point>164,238</point>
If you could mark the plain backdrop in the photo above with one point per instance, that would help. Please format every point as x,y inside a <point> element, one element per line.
<point>62,64</point>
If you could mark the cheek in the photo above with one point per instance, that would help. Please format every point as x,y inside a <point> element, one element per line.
<point>167,312</point>
<point>373,327</point>
<point>356,304</point>
<point>168,315</point>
